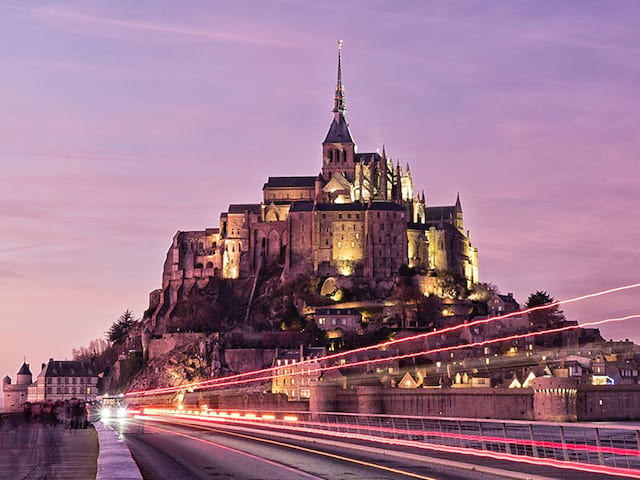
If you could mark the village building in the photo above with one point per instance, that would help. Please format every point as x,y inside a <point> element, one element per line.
<point>58,380</point>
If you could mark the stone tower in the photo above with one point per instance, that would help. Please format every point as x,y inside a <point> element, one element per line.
<point>338,148</point>
<point>24,376</point>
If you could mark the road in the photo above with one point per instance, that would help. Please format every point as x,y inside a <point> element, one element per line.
<point>188,451</point>
<point>173,448</point>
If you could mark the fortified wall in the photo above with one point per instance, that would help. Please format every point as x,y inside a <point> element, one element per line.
<point>549,399</point>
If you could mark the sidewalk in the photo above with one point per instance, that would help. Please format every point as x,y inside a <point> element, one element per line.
<point>38,452</point>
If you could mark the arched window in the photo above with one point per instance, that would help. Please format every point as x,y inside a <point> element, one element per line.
<point>209,264</point>
<point>198,265</point>
<point>344,155</point>
<point>330,156</point>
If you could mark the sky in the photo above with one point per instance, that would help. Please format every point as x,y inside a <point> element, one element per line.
<point>122,122</point>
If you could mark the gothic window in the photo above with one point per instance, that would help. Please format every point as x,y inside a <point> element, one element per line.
<point>330,156</point>
<point>344,155</point>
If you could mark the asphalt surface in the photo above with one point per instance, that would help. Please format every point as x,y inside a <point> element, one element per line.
<point>164,450</point>
<point>187,449</point>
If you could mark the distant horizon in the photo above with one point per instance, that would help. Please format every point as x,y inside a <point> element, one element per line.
<point>124,123</point>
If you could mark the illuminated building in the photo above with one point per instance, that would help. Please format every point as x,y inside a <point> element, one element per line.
<point>292,378</point>
<point>360,216</point>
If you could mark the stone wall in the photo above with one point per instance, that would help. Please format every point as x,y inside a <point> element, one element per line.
<point>463,402</point>
<point>247,359</point>
<point>608,402</point>
<point>159,347</point>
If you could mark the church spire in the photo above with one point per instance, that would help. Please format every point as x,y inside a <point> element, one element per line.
<point>339,106</point>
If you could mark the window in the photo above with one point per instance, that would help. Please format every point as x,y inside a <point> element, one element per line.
<point>378,214</point>
<point>340,216</point>
<point>357,236</point>
<point>339,244</point>
<point>357,216</point>
<point>324,215</point>
<point>321,321</point>
<point>353,244</point>
<point>330,156</point>
<point>348,215</point>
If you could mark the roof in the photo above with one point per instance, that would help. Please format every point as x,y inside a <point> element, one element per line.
<point>386,206</point>
<point>367,157</point>
<point>288,182</point>
<point>346,207</point>
<point>69,368</point>
<point>243,207</point>
<point>435,214</point>
<point>24,369</point>
<point>339,131</point>
<point>305,206</point>
<point>337,311</point>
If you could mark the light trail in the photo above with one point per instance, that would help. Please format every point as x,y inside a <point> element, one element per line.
<point>254,419</point>
<point>382,345</point>
<point>239,452</point>
<point>425,352</point>
<point>293,447</point>
<point>547,462</point>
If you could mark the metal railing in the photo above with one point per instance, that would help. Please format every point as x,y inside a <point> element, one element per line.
<point>604,448</point>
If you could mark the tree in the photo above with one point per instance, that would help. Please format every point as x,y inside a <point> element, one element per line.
<point>118,332</point>
<point>95,349</point>
<point>548,317</point>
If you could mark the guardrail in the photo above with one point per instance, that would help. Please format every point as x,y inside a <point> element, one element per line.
<point>609,449</point>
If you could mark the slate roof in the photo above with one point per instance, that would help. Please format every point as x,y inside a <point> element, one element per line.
<point>339,131</point>
<point>435,214</point>
<point>24,369</point>
<point>386,206</point>
<point>367,157</point>
<point>243,207</point>
<point>69,368</point>
<point>304,206</point>
<point>288,182</point>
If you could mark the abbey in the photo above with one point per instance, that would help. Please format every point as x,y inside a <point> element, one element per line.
<point>359,217</point>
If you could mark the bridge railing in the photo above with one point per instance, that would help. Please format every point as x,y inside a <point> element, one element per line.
<point>606,445</point>
<point>602,448</point>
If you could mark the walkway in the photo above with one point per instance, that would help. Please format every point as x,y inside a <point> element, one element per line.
<point>31,452</point>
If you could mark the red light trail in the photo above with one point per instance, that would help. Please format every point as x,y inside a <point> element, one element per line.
<point>550,462</point>
<point>397,357</point>
<point>225,379</point>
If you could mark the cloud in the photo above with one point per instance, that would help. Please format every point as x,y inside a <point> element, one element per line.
<point>77,18</point>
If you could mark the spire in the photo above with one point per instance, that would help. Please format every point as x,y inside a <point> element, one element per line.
<point>339,106</point>
<point>458,204</point>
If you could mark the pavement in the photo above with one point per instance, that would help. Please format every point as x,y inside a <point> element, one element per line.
<point>31,451</point>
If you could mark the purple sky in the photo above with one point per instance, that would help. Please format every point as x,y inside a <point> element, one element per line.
<point>122,122</point>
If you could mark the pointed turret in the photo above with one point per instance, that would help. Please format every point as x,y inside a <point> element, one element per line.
<point>459,215</point>
<point>339,106</point>
<point>338,148</point>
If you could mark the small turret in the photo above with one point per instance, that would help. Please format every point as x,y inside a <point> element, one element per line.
<point>24,376</point>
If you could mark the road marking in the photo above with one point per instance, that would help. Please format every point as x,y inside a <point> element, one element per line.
<point>316,452</point>
<point>234,450</point>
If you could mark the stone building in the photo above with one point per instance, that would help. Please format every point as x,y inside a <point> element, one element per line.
<point>292,377</point>
<point>15,395</point>
<point>64,380</point>
<point>57,380</point>
<point>360,216</point>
